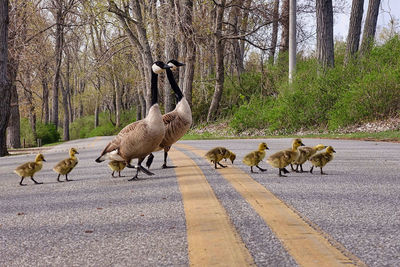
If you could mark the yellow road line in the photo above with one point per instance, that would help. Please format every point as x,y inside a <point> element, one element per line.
<point>212,239</point>
<point>308,246</point>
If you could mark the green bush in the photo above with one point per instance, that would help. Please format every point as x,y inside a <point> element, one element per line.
<point>26,133</point>
<point>47,132</point>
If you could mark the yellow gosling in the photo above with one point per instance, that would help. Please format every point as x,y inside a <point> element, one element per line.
<point>283,158</point>
<point>255,157</point>
<point>30,168</point>
<point>321,159</point>
<point>217,154</point>
<point>305,152</point>
<point>65,166</point>
<point>116,166</point>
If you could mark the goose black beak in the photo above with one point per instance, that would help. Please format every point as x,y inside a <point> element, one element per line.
<point>166,66</point>
<point>44,160</point>
<point>76,152</point>
<point>333,151</point>
<point>301,143</point>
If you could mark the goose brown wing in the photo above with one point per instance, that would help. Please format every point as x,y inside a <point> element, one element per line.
<point>169,117</point>
<point>116,142</point>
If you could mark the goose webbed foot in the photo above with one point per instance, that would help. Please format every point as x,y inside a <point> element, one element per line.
<point>20,182</point>
<point>261,169</point>
<point>58,178</point>
<point>66,178</point>
<point>323,173</point>
<point>165,166</point>
<point>280,172</point>
<point>36,182</point>
<point>112,174</point>
<point>223,166</point>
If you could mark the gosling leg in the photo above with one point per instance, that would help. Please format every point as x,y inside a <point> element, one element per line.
<point>312,167</point>
<point>251,169</point>
<point>280,172</point>
<point>119,174</point>
<point>261,169</point>
<point>36,182</point>
<point>112,174</point>
<point>20,182</point>
<point>322,173</point>
<point>66,178</point>
<point>291,166</point>
<point>58,178</point>
<point>301,168</point>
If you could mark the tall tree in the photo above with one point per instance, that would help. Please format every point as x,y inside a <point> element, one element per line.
<point>274,36</point>
<point>219,43</point>
<point>325,49</point>
<point>370,26</point>
<point>4,85</point>
<point>284,45</point>
<point>353,36</point>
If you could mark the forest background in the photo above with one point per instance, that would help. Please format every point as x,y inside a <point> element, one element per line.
<point>80,68</point>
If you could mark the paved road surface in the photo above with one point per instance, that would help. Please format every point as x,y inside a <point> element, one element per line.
<point>196,215</point>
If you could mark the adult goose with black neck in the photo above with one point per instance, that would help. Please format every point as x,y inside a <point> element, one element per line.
<point>142,137</point>
<point>177,122</point>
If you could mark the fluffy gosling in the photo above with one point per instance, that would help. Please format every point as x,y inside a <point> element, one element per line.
<point>116,166</point>
<point>217,154</point>
<point>305,153</point>
<point>321,159</point>
<point>255,157</point>
<point>283,158</point>
<point>65,166</point>
<point>30,168</point>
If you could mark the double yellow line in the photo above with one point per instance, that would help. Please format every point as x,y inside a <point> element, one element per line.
<point>210,232</point>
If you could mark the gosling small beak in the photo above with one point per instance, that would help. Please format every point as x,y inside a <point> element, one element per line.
<point>301,143</point>
<point>44,160</point>
<point>76,152</point>
<point>267,148</point>
<point>333,150</point>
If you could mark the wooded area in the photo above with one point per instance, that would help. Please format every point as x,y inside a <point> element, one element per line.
<point>68,59</point>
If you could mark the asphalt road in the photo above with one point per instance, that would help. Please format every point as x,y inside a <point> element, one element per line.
<point>99,220</point>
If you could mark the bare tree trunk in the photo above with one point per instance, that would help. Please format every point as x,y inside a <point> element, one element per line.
<point>370,26</point>
<point>284,45</point>
<point>274,37</point>
<point>45,102</point>
<point>96,114</point>
<point>117,91</point>
<point>13,129</point>
<point>325,33</point>
<point>64,90</point>
<point>353,37</point>
<point>233,21</point>
<point>4,85</point>
<point>219,61</point>
<point>58,59</point>
<point>171,50</point>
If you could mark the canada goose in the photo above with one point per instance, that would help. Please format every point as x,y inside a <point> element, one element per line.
<point>177,122</point>
<point>305,153</point>
<point>255,157</point>
<point>216,154</point>
<point>322,158</point>
<point>285,157</point>
<point>142,137</point>
<point>116,166</point>
<point>66,165</point>
<point>30,168</point>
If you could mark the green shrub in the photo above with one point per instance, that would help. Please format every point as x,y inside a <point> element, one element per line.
<point>47,132</point>
<point>26,133</point>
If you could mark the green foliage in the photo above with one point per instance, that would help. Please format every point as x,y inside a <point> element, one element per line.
<point>47,132</point>
<point>84,127</point>
<point>364,90</point>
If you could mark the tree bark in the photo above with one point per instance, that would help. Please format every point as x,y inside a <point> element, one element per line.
<point>325,48</point>
<point>171,51</point>
<point>219,59</point>
<point>284,45</point>
<point>58,59</point>
<point>370,26</point>
<point>45,95</point>
<point>353,36</point>
<point>4,85</point>
<point>13,129</point>
<point>274,36</point>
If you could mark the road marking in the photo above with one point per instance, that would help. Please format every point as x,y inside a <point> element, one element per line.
<point>308,246</point>
<point>212,239</point>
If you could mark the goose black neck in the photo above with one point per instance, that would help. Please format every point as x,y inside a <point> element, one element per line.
<point>174,85</point>
<point>154,88</point>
